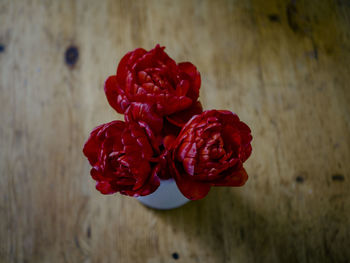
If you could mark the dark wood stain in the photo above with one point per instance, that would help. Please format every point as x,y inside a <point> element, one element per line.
<point>292,12</point>
<point>274,18</point>
<point>88,232</point>
<point>338,177</point>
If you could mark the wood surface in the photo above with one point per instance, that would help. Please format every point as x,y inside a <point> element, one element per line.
<point>282,66</point>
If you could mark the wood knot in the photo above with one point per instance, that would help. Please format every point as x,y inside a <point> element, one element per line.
<point>175,256</point>
<point>299,179</point>
<point>71,55</point>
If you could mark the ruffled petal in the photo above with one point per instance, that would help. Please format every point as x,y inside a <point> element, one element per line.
<point>92,145</point>
<point>126,63</point>
<point>104,187</point>
<point>115,96</point>
<point>191,189</point>
<point>194,76</point>
<point>233,177</point>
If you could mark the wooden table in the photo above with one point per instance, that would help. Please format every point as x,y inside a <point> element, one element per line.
<point>282,66</point>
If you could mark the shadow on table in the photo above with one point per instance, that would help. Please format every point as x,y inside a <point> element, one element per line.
<point>228,229</point>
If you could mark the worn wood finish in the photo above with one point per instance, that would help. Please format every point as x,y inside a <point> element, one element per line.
<point>282,66</point>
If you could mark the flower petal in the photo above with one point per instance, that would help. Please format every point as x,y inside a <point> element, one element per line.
<point>233,177</point>
<point>194,76</point>
<point>104,187</point>
<point>92,145</point>
<point>115,96</point>
<point>192,189</point>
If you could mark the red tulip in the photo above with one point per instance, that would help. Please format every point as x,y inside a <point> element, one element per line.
<point>210,151</point>
<point>122,159</point>
<point>154,78</point>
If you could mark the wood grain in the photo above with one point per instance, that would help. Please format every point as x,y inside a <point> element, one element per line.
<point>282,66</point>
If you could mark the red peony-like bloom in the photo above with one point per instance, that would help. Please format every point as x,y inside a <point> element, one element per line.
<point>210,151</point>
<point>122,159</point>
<point>154,78</point>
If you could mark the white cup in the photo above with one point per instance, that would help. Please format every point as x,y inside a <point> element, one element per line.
<point>167,196</point>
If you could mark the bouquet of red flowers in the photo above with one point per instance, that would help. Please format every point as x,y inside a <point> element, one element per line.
<point>166,134</point>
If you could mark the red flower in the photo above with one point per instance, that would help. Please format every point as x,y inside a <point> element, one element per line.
<point>121,156</point>
<point>165,133</point>
<point>210,151</point>
<point>154,78</point>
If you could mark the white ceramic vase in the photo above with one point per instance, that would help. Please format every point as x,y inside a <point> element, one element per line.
<point>167,196</point>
